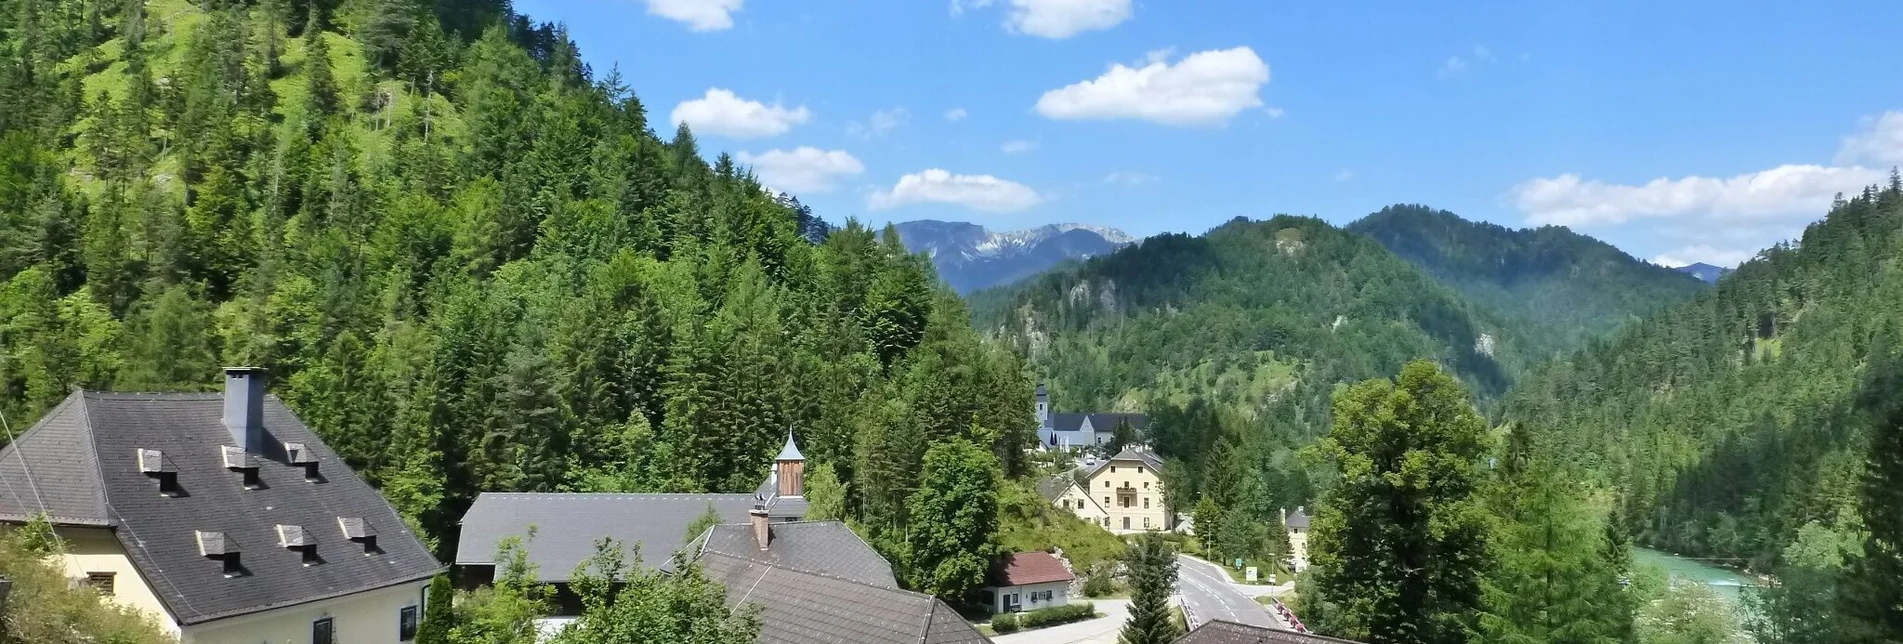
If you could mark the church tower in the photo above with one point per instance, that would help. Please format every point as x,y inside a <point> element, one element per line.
<point>789,468</point>
<point>1043,407</point>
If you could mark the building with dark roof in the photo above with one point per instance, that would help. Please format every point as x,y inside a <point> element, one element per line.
<point>1081,430</point>
<point>1222,632</point>
<point>220,515</point>
<point>814,581</point>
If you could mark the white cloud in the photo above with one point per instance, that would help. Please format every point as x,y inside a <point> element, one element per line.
<point>980,192</point>
<point>1063,18</point>
<point>802,169</point>
<point>1132,179</point>
<point>1018,146</point>
<point>1454,65</point>
<point>958,7</point>
<point>1880,143</point>
<point>1482,53</point>
<point>1783,191</point>
<point>881,122</point>
<point>1275,112</point>
<point>1344,175</point>
<point>1703,253</point>
<point>956,114</point>
<point>699,15</point>
<point>721,112</point>
<point>1207,88</point>
<point>1766,200</point>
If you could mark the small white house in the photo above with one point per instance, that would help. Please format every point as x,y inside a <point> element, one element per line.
<point>1027,581</point>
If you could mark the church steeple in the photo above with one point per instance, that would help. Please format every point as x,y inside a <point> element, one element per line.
<point>790,467</point>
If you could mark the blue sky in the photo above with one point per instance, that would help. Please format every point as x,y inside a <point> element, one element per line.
<point>1682,131</point>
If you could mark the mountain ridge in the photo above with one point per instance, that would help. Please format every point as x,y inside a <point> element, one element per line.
<point>971,257</point>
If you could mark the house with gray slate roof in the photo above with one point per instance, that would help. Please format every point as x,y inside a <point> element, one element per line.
<point>1080,430</point>
<point>814,581</point>
<point>221,516</point>
<point>1222,632</point>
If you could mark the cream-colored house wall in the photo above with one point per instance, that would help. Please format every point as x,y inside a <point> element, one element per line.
<point>363,618</point>
<point>1144,479</point>
<point>1082,505</point>
<point>96,550</point>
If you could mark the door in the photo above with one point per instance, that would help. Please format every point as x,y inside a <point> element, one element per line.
<point>1126,523</point>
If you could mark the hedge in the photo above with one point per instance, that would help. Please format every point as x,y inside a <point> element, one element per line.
<point>1053,616</point>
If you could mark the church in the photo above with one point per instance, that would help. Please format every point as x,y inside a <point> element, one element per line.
<point>1080,430</point>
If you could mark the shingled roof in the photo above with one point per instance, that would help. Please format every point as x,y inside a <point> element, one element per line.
<point>568,525</point>
<point>1103,422</point>
<point>81,465</point>
<point>799,607</point>
<point>823,547</point>
<point>1222,632</point>
<point>1026,568</point>
<point>1144,457</point>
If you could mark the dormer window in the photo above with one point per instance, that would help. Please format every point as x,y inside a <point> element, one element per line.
<point>216,545</point>
<point>294,537</point>
<point>152,463</point>
<point>301,455</point>
<point>237,460</point>
<point>360,531</point>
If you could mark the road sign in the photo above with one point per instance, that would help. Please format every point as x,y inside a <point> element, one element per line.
<point>1250,574</point>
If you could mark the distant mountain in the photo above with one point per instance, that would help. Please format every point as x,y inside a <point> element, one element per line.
<point>971,258</point>
<point>1555,287</point>
<point>1705,272</point>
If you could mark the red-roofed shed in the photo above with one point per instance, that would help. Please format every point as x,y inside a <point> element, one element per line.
<point>1027,581</point>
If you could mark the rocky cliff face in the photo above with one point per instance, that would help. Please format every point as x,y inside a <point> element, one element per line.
<point>971,258</point>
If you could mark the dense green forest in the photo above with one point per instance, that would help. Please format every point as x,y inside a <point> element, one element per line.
<point>1233,340</point>
<point>1730,422</point>
<point>1553,288</point>
<point>466,259</point>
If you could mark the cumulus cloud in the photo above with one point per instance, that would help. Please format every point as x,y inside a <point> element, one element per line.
<point>698,15</point>
<point>1703,253</point>
<point>1055,19</point>
<point>981,192</point>
<point>1803,190</point>
<point>1777,197</point>
<point>1019,146</point>
<point>1879,143</point>
<point>1205,89</point>
<point>1454,65</point>
<point>881,123</point>
<point>1126,178</point>
<point>721,112</point>
<point>956,114</point>
<point>802,169</point>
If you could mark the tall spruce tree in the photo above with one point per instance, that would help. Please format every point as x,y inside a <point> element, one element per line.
<point>1402,541</point>
<point>1150,571</point>
<point>1872,594</point>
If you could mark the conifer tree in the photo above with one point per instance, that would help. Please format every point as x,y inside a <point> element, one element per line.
<point>1871,593</point>
<point>1150,570</point>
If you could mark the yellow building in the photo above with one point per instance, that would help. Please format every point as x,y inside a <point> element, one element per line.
<point>221,516</point>
<point>1129,487</point>
<point>1064,492</point>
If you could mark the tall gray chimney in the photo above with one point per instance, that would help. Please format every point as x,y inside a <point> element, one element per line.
<point>244,407</point>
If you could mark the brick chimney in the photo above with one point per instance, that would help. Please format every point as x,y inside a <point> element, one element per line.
<point>244,408</point>
<point>762,527</point>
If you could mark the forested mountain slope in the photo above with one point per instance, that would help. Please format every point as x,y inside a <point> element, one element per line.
<point>466,260</point>
<point>1732,420</point>
<point>1557,288</point>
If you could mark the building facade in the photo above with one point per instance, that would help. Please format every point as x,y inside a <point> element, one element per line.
<point>1081,430</point>
<point>1130,488</point>
<point>1027,581</point>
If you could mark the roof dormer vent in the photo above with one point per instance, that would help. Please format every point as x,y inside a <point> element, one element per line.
<point>216,545</point>
<point>237,460</point>
<point>152,463</point>
<point>359,530</point>
<point>301,455</point>
<point>295,537</point>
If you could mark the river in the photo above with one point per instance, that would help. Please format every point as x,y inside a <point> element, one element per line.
<point>1730,585</point>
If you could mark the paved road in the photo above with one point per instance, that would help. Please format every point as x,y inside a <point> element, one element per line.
<point>1102,630</point>
<point>1208,594</point>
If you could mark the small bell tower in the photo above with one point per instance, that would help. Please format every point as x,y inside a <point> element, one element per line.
<point>790,469</point>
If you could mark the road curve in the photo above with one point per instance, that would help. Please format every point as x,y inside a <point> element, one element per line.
<point>1208,594</point>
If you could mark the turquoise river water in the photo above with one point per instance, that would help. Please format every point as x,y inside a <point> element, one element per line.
<point>1730,585</point>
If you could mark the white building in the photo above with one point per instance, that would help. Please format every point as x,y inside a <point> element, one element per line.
<point>1080,430</point>
<point>1027,581</point>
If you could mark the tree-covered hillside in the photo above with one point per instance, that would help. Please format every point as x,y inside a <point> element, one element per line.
<point>1239,335</point>
<point>1554,287</point>
<point>1735,420</point>
<point>466,259</point>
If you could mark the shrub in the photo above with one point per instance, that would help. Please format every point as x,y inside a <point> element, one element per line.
<point>1056,615</point>
<point>1099,585</point>
<point>1006,623</point>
